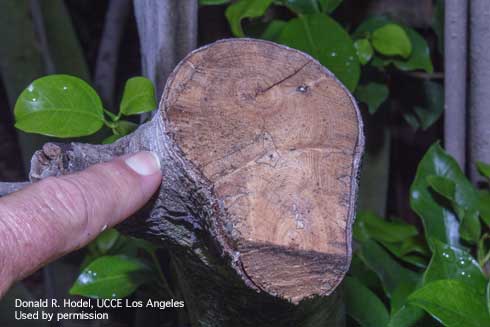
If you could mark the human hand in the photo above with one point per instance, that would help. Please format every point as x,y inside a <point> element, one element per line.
<point>61,214</point>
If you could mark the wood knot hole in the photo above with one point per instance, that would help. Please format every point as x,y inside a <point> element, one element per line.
<point>302,88</point>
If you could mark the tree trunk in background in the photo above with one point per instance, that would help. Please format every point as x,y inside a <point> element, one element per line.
<point>479,129</point>
<point>167,31</point>
<point>455,68</point>
<point>108,53</point>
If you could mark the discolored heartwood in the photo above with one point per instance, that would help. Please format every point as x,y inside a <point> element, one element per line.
<point>260,148</point>
<point>279,138</point>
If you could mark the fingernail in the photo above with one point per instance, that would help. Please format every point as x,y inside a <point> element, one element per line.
<point>144,163</point>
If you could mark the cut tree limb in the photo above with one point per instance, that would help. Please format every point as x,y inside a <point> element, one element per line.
<point>260,148</point>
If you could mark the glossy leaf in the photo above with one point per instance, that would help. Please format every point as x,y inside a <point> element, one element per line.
<point>419,57</point>
<point>241,9</point>
<point>391,40</point>
<point>483,169</point>
<point>452,263</point>
<point>439,221</point>
<point>364,50</point>
<point>273,30</point>
<point>442,185</point>
<point>327,41</point>
<point>213,2</point>
<point>138,96</point>
<point>111,277</point>
<point>390,272</point>
<point>453,303</point>
<point>59,105</point>
<point>328,6</point>
<point>363,305</point>
<point>372,94</point>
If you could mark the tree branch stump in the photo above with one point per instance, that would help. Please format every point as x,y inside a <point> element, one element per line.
<point>260,148</point>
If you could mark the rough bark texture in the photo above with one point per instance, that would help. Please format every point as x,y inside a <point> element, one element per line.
<point>260,148</point>
<point>479,133</point>
<point>455,54</point>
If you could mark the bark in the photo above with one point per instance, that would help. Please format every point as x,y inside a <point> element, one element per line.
<point>105,69</point>
<point>479,133</point>
<point>167,31</point>
<point>297,173</point>
<point>455,68</point>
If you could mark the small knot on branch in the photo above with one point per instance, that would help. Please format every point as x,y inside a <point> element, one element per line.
<point>52,160</point>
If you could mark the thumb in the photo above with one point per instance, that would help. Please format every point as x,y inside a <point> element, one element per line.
<point>60,214</point>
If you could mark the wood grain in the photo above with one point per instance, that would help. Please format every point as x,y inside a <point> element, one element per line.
<point>279,138</point>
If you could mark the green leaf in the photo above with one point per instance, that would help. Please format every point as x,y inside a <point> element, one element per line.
<point>369,25</point>
<point>366,276</point>
<point>244,9</point>
<point>363,305</point>
<point>402,313</point>
<point>138,96</point>
<point>384,230</point>
<point>327,41</point>
<point>372,94</point>
<point>412,120</point>
<point>212,2</point>
<point>392,40</point>
<point>434,104</point>
<point>273,30</point>
<point>410,250</point>
<point>442,185</point>
<point>302,6</point>
<point>406,316</point>
<point>483,169</point>
<point>420,55</point>
<point>484,206</point>
<point>364,50</point>
<point>470,226</point>
<point>439,221</point>
<point>452,263</point>
<point>106,240</point>
<point>453,303</point>
<point>487,294</point>
<point>390,272</point>
<point>111,277</point>
<point>59,105</point>
<point>328,6</point>
<point>123,127</point>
